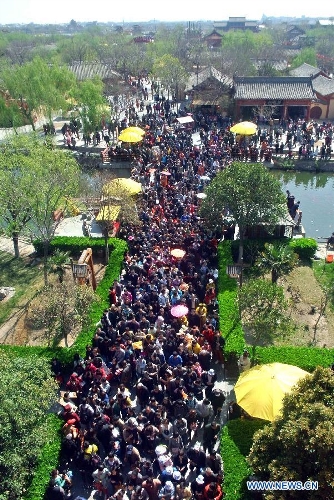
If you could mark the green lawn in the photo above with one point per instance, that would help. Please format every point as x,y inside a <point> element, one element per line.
<point>325,275</point>
<point>24,278</point>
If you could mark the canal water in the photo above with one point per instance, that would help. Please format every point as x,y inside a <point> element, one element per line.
<point>316,195</point>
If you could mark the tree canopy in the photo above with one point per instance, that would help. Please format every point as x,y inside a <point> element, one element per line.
<point>36,180</point>
<point>263,310</point>
<point>299,444</point>
<point>27,390</point>
<point>277,259</point>
<point>246,193</point>
<point>37,87</point>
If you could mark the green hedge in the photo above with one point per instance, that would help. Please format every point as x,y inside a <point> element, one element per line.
<point>48,459</point>
<point>229,321</point>
<point>236,441</point>
<point>74,244</point>
<point>112,273</point>
<point>307,358</point>
<point>304,247</point>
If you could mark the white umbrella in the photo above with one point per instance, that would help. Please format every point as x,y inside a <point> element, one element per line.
<point>201,196</point>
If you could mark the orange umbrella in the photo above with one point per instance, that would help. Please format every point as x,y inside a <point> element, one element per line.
<point>178,253</point>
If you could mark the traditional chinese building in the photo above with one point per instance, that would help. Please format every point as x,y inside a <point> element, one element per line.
<point>289,97</point>
<point>236,23</point>
<point>214,39</point>
<point>209,90</point>
<point>323,107</point>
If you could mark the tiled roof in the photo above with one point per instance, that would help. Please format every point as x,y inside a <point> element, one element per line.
<point>283,88</point>
<point>84,71</point>
<point>213,34</point>
<point>204,75</point>
<point>323,85</point>
<point>305,70</point>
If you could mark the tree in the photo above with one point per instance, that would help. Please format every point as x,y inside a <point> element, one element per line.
<point>10,114</point>
<point>63,310</point>
<point>57,180</point>
<point>58,263</point>
<point>35,181</point>
<point>307,55</point>
<point>37,87</point>
<point>18,181</point>
<point>298,445</point>
<point>278,259</point>
<point>171,73</point>
<point>91,104</point>
<point>247,192</point>
<point>267,112</point>
<point>263,309</point>
<point>27,391</point>
<point>111,199</point>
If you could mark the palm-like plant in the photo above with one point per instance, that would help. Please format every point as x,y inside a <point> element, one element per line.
<point>278,259</point>
<point>58,263</point>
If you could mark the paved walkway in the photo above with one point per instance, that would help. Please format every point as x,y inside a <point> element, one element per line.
<point>6,245</point>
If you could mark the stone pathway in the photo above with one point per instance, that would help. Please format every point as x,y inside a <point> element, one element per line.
<point>6,245</point>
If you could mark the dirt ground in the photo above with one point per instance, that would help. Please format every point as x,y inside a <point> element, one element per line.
<point>19,331</point>
<point>307,297</point>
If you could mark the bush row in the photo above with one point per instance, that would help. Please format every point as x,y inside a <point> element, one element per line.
<point>236,442</point>
<point>307,358</point>
<point>230,326</point>
<point>112,273</point>
<point>48,460</point>
<point>73,244</point>
<point>304,247</point>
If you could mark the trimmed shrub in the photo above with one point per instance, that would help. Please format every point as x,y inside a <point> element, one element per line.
<point>236,442</point>
<point>49,457</point>
<point>304,247</point>
<point>73,244</point>
<point>307,358</point>
<point>229,320</point>
<point>112,273</point>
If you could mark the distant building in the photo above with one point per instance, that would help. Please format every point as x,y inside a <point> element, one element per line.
<point>294,36</point>
<point>236,23</point>
<point>86,71</point>
<point>143,39</point>
<point>209,90</point>
<point>323,86</point>
<point>214,39</point>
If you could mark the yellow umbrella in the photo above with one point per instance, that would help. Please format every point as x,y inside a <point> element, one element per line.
<point>136,130</point>
<point>244,128</point>
<point>129,185</point>
<point>260,390</point>
<point>130,135</point>
<point>108,213</point>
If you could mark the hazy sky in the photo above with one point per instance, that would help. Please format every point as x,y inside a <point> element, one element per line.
<point>62,11</point>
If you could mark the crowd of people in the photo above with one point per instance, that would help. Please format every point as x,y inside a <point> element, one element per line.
<point>142,408</point>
